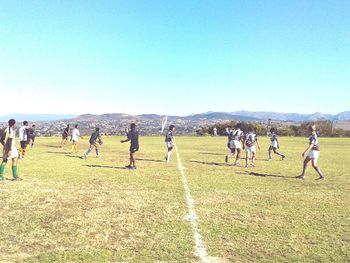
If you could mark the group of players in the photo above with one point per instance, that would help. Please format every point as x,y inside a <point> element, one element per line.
<point>237,141</point>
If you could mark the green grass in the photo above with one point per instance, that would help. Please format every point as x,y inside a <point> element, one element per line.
<point>72,210</point>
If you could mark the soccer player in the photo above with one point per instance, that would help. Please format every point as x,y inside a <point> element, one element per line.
<point>274,145</point>
<point>133,137</point>
<point>31,137</point>
<point>250,142</point>
<point>65,135</point>
<point>314,153</point>
<point>10,151</point>
<point>230,144</point>
<point>169,140</point>
<point>95,141</point>
<point>236,139</point>
<point>75,137</point>
<point>23,137</point>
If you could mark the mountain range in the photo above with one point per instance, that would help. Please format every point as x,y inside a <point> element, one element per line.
<point>210,116</point>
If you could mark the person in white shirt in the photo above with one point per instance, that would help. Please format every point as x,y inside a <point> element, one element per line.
<point>251,141</point>
<point>313,152</point>
<point>23,137</point>
<point>10,151</point>
<point>75,137</point>
<point>275,145</point>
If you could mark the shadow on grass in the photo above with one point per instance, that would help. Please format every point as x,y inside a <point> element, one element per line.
<point>53,146</point>
<point>209,163</point>
<point>104,166</point>
<point>265,175</point>
<point>59,152</point>
<point>149,160</point>
<point>206,153</point>
<point>74,156</point>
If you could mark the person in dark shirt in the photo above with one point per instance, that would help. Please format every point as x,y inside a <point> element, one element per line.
<point>31,137</point>
<point>133,137</point>
<point>65,135</point>
<point>95,141</point>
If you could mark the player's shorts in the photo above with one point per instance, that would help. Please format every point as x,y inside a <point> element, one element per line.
<point>237,144</point>
<point>14,154</point>
<point>134,149</point>
<point>314,154</point>
<point>251,149</point>
<point>169,145</point>
<point>24,144</point>
<point>74,141</point>
<point>274,145</point>
<point>64,137</point>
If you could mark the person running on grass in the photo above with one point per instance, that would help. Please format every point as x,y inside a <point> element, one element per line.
<point>10,151</point>
<point>236,138</point>
<point>250,142</point>
<point>169,140</point>
<point>24,137</point>
<point>274,145</point>
<point>95,141</point>
<point>75,137</point>
<point>65,135</point>
<point>133,137</point>
<point>313,154</point>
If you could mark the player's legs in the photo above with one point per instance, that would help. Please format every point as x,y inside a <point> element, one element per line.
<point>247,156</point>
<point>317,169</point>
<point>278,153</point>
<point>230,154</point>
<point>253,158</point>
<point>14,170</point>
<point>168,154</point>
<point>270,153</point>
<point>88,151</point>
<point>132,160</point>
<point>96,150</point>
<point>2,169</point>
<point>306,161</point>
<point>238,156</point>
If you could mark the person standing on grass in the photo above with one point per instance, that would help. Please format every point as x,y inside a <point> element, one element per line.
<point>215,131</point>
<point>230,144</point>
<point>10,151</point>
<point>274,145</point>
<point>23,137</point>
<point>31,136</point>
<point>75,137</point>
<point>65,135</point>
<point>169,140</point>
<point>133,137</point>
<point>95,141</point>
<point>313,154</point>
<point>250,142</point>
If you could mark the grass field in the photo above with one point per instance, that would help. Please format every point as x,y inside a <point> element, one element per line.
<point>72,210</point>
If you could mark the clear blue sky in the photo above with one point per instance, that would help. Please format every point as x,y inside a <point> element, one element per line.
<point>174,56</point>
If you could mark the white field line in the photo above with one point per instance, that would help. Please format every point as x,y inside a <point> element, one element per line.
<point>201,251</point>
